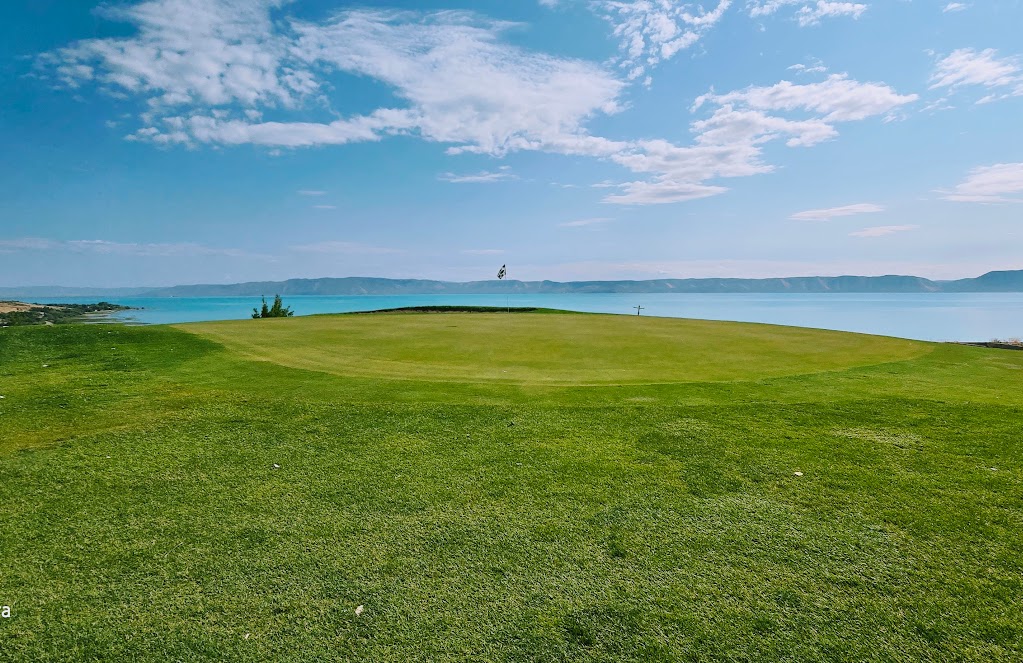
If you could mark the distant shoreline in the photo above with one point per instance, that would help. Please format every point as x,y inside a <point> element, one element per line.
<point>996,281</point>
<point>18,313</point>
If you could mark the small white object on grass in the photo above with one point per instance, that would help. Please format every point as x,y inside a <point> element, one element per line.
<point>247,634</point>
<point>798,474</point>
<point>276,466</point>
<point>358,611</point>
<point>46,365</point>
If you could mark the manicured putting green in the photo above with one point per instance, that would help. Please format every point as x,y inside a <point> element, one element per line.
<point>573,349</point>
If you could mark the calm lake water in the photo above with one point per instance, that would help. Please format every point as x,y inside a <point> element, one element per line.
<point>925,316</point>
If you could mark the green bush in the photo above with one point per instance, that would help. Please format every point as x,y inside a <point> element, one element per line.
<point>278,310</point>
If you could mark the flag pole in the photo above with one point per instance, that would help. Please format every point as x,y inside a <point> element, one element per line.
<point>501,273</point>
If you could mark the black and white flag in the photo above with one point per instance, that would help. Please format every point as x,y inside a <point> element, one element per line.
<point>501,272</point>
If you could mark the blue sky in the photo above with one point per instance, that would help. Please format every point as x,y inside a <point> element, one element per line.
<point>184,141</point>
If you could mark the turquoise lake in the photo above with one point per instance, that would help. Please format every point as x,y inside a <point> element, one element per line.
<point>924,316</point>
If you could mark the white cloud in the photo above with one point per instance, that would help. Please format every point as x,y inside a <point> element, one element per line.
<point>838,98</point>
<point>192,52</point>
<point>835,212</point>
<point>731,126</point>
<point>816,67</point>
<point>967,66</point>
<point>881,231</point>
<point>483,177</point>
<point>437,64</point>
<point>196,62</point>
<point>989,184</point>
<point>311,192</point>
<point>758,8</point>
<point>324,206</point>
<point>812,14</point>
<point>651,31</point>
<point>663,190</point>
<point>807,13</point>
<point>729,142</point>
<point>454,80</point>
<point>211,129</point>
<point>954,7</point>
<point>581,223</point>
<point>1001,77</point>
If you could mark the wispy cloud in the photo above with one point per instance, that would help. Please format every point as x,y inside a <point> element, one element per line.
<point>812,14</point>
<point>807,13</point>
<point>324,206</point>
<point>836,212</point>
<point>483,177</point>
<point>651,32</point>
<point>730,142</point>
<point>311,192</point>
<point>663,190</point>
<point>954,7</point>
<point>1000,77</point>
<point>581,223</point>
<point>836,99</point>
<point>989,184</point>
<point>881,231</point>
<point>195,61</point>
<point>482,252</point>
<point>815,67</point>
<point>236,61</point>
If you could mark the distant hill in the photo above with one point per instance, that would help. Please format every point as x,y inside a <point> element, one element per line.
<point>1002,281</point>
<point>991,282</point>
<point>1007,281</point>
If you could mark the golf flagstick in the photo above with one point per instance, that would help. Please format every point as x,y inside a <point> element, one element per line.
<point>501,273</point>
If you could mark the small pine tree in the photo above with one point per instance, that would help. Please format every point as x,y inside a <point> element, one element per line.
<point>278,310</point>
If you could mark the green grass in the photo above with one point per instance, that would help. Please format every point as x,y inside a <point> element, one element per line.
<point>533,348</point>
<point>507,487</point>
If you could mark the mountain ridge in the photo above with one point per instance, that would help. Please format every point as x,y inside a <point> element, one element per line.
<point>994,281</point>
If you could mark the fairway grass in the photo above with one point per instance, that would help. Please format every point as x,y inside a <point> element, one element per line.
<point>564,350</point>
<point>507,487</point>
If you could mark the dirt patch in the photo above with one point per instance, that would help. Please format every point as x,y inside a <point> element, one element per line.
<point>16,307</point>
<point>21,313</point>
